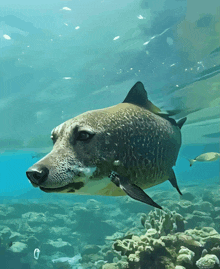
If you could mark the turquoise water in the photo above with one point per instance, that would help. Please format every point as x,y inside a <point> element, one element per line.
<point>62,58</point>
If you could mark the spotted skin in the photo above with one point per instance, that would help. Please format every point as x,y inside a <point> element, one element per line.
<point>144,144</point>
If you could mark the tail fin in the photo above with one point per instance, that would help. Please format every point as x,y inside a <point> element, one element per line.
<point>191,161</point>
<point>181,122</point>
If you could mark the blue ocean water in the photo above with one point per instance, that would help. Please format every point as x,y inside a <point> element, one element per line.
<point>62,58</point>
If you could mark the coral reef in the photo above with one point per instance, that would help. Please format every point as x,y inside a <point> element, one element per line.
<point>208,261</point>
<point>117,234</point>
<point>165,221</point>
<point>164,247</point>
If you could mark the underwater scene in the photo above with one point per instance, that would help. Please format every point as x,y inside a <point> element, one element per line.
<point>110,134</point>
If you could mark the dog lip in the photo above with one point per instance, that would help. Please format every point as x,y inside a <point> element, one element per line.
<point>72,186</point>
<point>53,189</point>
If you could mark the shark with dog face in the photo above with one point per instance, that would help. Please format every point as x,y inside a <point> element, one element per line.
<point>133,143</point>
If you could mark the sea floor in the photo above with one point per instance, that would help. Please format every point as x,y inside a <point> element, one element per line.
<point>117,233</point>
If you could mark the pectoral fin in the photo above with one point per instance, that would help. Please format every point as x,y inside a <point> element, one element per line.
<point>132,190</point>
<point>173,181</point>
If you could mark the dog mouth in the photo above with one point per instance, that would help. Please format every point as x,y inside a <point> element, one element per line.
<point>80,177</point>
<point>69,188</point>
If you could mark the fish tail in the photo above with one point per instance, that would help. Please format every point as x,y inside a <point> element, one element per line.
<point>191,161</point>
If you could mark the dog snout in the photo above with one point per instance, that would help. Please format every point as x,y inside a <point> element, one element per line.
<point>37,174</point>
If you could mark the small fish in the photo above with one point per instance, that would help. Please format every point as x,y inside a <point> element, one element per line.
<point>205,157</point>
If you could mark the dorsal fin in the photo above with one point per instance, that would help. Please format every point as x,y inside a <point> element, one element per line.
<point>138,96</point>
<point>181,122</point>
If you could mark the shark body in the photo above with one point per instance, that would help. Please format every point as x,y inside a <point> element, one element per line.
<point>133,139</point>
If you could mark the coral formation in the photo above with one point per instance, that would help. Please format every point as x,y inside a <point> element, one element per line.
<point>165,221</point>
<point>164,247</point>
<point>112,235</point>
<point>207,262</point>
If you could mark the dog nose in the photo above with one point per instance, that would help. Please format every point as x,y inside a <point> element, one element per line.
<point>37,174</point>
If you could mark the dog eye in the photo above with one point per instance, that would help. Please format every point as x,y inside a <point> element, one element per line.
<point>84,136</point>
